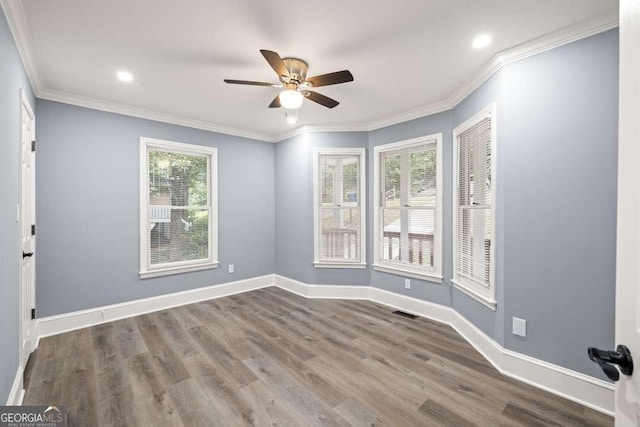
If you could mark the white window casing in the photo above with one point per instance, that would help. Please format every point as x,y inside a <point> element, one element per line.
<point>339,216</point>
<point>408,212</point>
<point>178,207</point>
<point>474,180</point>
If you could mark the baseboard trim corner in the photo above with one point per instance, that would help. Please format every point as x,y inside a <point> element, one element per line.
<point>575,386</point>
<point>588,391</point>
<point>16,394</point>
<point>58,324</point>
<point>321,291</point>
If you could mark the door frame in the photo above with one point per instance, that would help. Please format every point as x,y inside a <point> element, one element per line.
<point>627,396</point>
<point>25,105</point>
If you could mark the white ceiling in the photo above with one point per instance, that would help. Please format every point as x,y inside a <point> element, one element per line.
<point>404,54</point>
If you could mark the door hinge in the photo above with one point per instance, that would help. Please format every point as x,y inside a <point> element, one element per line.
<point>33,230</point>
<point>33,145</point>
<point>33,313</point>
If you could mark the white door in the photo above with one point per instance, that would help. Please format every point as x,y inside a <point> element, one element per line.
<point>628,239</point>
<point>27,230</point>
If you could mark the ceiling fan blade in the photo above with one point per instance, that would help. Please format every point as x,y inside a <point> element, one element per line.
<point>276,102</point>
<point>247,82</point>
<point>276,62</point>
<point>343,76</point>
<point>321,99</point>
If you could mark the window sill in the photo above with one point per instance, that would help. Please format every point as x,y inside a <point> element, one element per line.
<point>339,265</point>
<point>399,271</point>
<point>490,303</point>
<point>176,270</point>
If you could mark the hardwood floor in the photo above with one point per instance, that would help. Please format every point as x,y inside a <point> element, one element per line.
<point>269,357</point>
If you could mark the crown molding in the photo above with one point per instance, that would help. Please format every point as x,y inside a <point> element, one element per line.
<point>580,30</point>
<point>304,129</point>
<point>427,110</point>
<point>127,110</point>
<point>572,33</point>
<point>18,24</point>
<point>19,27</point>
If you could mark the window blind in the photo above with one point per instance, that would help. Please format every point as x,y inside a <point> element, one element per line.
<point>179,199</point>
<point>474,233</point>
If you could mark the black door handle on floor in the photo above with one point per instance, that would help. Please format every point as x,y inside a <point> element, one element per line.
<point>606,359</point>
<point>27,254</point>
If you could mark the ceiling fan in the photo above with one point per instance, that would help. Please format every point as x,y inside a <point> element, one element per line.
<point>292,73</point>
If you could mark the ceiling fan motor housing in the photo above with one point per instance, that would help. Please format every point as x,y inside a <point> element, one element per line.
<point>297,70</point>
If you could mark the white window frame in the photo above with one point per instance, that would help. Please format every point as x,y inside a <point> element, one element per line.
<point>484,295</point>
<point>360,153</point>
<point>146,269</point>
<point>380,264</point>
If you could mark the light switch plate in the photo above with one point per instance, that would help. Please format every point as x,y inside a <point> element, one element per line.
<point>519,327</point>
<point>407,283</point>
<point>231,268</point>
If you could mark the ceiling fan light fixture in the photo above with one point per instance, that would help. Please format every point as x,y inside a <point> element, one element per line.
<point>291,99</point>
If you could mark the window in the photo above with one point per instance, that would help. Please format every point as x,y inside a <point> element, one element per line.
<point>339,215</point>
<point>408,207</point>
<point>474,243</point>
<point>178,207</point>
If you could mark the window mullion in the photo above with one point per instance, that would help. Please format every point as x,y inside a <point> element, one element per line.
<point>405,184</point>
<point>338,192</point>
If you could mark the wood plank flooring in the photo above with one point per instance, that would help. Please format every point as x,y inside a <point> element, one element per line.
<point>269,357</point>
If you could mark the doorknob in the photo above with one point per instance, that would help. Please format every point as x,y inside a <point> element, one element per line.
<point>606,359</point>
<point>27,254</point>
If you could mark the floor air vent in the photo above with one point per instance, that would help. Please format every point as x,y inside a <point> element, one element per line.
<point>407,315</point>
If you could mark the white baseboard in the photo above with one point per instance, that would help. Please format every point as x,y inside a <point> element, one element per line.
<point>583,389</point>
<point>569,384</point>
<point>58,324</point>
<point>407,304</point>
<point>321,291</point>
<point>17,391</point>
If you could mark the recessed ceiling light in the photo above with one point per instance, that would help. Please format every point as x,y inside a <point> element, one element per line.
<point>483,40</point>
<point>125,76</point>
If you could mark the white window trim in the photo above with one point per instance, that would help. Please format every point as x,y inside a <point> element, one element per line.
<point>146,270</point>
<point>379,264</point>
<point>486,296</point>
<point>362,263</point>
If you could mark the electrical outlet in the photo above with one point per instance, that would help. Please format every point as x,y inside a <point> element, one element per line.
<point>407,283</point>
<point>231,268</point>
<point>519,327</point>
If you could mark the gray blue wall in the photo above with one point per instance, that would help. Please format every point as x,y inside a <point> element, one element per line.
<point>12,79</point>
<point>88,208</point>
<point>555,205</point>
<point>294,207</point>
<point>558,133</point>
